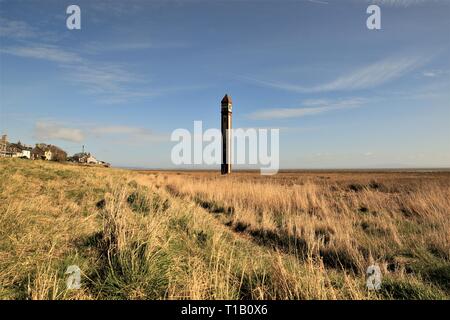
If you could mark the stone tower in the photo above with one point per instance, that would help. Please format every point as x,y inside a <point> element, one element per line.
<point>226,111</point>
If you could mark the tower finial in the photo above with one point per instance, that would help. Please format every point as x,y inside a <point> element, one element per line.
<point>226,99</point>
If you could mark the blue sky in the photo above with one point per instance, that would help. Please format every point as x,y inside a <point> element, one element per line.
<point>343,96</point>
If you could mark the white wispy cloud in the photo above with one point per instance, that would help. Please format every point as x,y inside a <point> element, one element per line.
<point>16,29</point>
<point>309,108</point>
<point>435,73</point>
<point>111,83</point>
<point>129,133</point>
<point>318,1</point>
<point>48,130</point>
<point>118,130</point>
<point>100,78</point>
<point>374,75</point>
<point>55,131</point>
<point>369,76</point>
<point>114,83</point>
<point>403,3</point>
<point>44,52</point>
<point>97,47</point>
<point>430,74</point>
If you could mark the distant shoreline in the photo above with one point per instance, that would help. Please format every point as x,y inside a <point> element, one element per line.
<point>367,170</point>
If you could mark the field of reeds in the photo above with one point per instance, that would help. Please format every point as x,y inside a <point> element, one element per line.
<point>199,235</point>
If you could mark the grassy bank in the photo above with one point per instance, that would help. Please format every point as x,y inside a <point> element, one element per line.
<point>165,235</point>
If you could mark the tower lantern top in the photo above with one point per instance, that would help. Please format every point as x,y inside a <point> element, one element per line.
<point>226,104</point>
<point>226,99</point>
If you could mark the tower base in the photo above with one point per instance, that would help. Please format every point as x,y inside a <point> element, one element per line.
<point>225,168</point>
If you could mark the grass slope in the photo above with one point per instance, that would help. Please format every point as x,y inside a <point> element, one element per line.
<point>178,236</point>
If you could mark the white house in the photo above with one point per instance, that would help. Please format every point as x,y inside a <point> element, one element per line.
<point>91,160</point>
<point>18,150</point>
<point>26,153</point>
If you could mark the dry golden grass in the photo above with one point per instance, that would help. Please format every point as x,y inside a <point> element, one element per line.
<point>169,235</point>
<point>336,217</point>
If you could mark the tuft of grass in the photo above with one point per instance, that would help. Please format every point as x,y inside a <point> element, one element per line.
<point>410,289</point>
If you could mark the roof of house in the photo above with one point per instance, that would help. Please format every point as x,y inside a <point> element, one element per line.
<point>37,150</point>
<point>17,146</point>
<point>40,149</point>
<point>81,155</point>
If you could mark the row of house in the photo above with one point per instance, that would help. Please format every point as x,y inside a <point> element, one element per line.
<point>14,150</point>
<point>19,150</point>
<point>42,151</point>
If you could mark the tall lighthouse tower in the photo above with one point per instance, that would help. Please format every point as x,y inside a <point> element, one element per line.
<point>226,112</point>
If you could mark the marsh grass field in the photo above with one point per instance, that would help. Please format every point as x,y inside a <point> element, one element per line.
<point>199,235</point>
